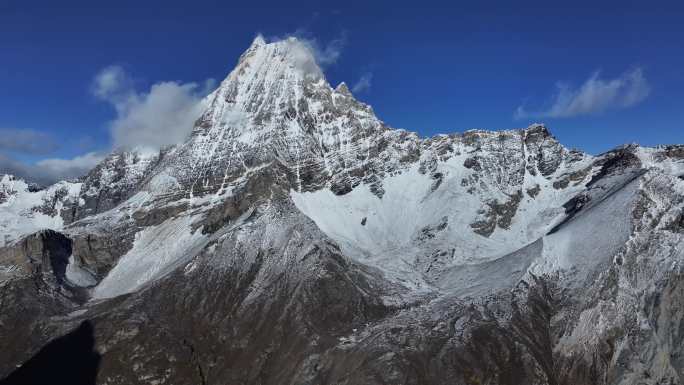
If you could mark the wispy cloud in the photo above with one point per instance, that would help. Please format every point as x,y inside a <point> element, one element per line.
<point>26,141</point>
<point>31,143</point>
<point>326,53</point>
<point>306,46</point>
<point>112,83</point>
<point>161,116</point>
<point>595,95</point>
<point>146,119</point>
<point>364,83</point>
<point>60,168</point>
<point>48,171</point>
<point>330,52</point>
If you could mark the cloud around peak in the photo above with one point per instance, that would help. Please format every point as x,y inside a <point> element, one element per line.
<point>161,116</point>
<point>145,120</point>
<point>310,54</point>
<point>594,96</point>
<point>364,83</point>
<point>327,53</point>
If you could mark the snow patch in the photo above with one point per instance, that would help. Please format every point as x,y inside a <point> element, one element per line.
<point>388,232</point>
<point>157,250</point>
<point>20,212</point>
<point>592,237</point>
<point>79,276</point>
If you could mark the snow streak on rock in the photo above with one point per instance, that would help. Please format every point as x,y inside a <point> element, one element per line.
<point>296,238</point>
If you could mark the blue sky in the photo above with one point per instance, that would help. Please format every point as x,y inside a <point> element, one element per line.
<point>598,73</point>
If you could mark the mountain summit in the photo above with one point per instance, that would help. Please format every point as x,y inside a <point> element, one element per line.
<point>296,238</point>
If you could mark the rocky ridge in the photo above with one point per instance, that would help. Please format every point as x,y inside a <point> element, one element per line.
<point>296,238</point>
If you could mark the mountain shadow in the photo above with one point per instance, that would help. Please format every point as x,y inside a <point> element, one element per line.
<point>70,359</point>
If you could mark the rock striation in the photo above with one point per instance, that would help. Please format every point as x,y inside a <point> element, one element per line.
<point>296,238</point>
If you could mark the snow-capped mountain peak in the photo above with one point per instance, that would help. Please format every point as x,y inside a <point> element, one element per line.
<point>276,106</point>
<point>487,256</point>
<point>267,76</point>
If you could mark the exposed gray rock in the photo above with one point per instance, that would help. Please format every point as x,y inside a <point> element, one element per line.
<point>114,180</point>
<point>497,214</point>
<point>206,269</point>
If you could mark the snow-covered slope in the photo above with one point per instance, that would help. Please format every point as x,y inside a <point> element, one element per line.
<point>427,222</point>
<point>429,204</point>
<point>296,238</point>
<point>25,210</point>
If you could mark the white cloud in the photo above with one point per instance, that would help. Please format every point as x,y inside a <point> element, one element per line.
<point>594,96</point>
<point>112,82</point>
<point>48,171</point>
<point>329,53</point>
<point>325,54</point>
<point>363,84</point>
<point>162,116</point>
<point>304,57</point>
<point>310,54</point>
<point>70,168</point>
<point>26,141</point>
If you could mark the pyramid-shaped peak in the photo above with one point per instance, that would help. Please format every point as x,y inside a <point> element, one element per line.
<point>269,82</point>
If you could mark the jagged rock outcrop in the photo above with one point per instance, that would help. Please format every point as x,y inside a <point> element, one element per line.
<point>296,238</point>
<point>25,209</point>
<point>113,181</point>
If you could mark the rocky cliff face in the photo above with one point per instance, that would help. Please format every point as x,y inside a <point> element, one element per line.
<point>296,238</point>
